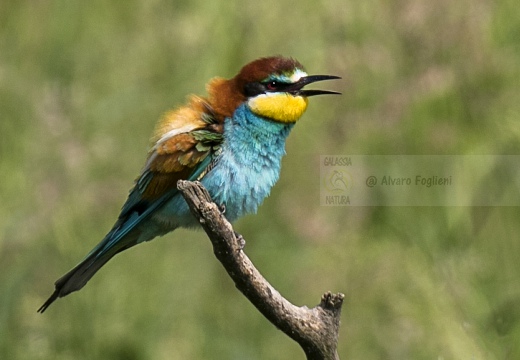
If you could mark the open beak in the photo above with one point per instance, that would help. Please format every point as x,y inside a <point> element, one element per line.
<point>296,88</point>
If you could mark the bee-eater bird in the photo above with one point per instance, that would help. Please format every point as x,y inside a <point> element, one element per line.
<point>232,142</point>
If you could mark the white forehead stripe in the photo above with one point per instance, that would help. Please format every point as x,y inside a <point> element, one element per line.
<point>297,75</point>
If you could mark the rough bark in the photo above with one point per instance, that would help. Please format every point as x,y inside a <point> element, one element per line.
<point>316,329</point>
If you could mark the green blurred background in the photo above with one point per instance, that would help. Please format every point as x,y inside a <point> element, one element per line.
<point>81,86</point>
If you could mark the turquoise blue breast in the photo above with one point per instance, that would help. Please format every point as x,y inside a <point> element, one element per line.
<point>245,171</point>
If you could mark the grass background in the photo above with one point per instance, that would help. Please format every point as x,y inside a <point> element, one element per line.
<point>81,85</point>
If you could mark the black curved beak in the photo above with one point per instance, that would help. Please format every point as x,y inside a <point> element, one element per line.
<point>296,88</point>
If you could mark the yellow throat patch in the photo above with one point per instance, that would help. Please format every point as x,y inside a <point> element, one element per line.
<point>280,107</point>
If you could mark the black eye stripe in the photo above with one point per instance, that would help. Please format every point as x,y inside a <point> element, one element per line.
<point>275,85</point>
<point>254,88</point>
<point>257,88</point>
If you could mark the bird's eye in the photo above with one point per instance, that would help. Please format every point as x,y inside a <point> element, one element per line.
<point>272,85</point>
<point>257,88</point>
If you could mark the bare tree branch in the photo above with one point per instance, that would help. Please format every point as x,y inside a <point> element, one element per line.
<point>316,329</point>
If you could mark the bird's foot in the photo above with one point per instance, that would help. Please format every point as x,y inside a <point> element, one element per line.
<point>222,208</point>
<point>241,241</point>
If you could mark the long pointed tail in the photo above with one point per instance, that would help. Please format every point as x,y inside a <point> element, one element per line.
<point>76,278</point>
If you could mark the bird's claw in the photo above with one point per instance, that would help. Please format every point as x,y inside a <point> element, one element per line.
<point>241,241</point>
<point>222,208</point>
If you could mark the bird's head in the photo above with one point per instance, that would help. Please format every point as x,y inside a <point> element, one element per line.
<point>272,87</point>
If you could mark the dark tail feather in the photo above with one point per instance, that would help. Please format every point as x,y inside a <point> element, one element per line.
<point>76,278</point>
